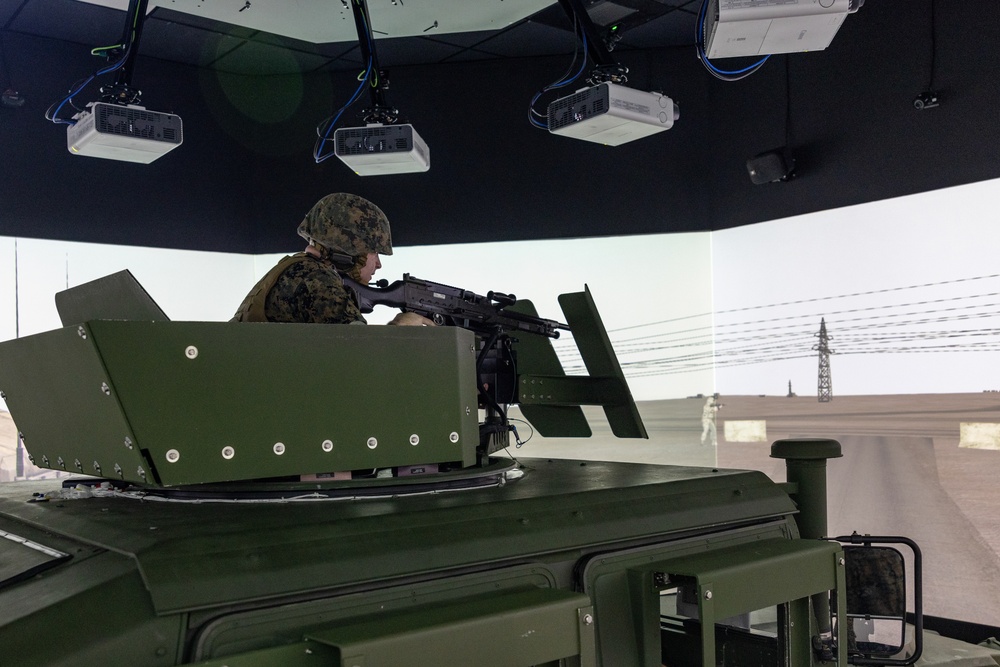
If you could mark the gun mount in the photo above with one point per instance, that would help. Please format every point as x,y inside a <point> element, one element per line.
<point>161,403</point>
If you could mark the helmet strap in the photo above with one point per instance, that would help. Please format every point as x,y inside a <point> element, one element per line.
<point>355,270</point>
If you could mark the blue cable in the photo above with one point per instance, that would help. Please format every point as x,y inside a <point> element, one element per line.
<point>318,155</point>
<point>318,151</point>
<point>700,43</point>
<point>74,91</point>
<point>558,84</point>
<point>54,117</point>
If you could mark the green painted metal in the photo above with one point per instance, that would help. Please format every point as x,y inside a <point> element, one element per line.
<point>747,577</point>
<point>301,654</point>
<point>191,556</point>
<point>805,469</point>
<point>549,399</point>
<point>84,612</point>
<point>599,357</point>
<point>514,629</point>
<point>535,357</point>
<point>210,402</point>
<point>57,385</point>
<point>562,565</point>
<point>248,631</point>
<point>729,578</point>
<point>806,448</point>
<point>570,390</point>
<point>805,463</point>
<point>117,296</point>
<point>622,586</point>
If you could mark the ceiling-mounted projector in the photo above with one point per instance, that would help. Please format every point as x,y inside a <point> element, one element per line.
<point>611,114</point>
<point>127,133</point>
<point>740,28</point>
<point>382,149</point>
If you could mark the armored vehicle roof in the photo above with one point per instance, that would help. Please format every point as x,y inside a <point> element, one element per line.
<point>197,554</point>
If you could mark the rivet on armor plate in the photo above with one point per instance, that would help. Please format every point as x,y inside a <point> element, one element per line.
<point>105,388</point>
<point>279,448</point>
<point>414,439</point>
<point>79,466</point>
<point>453,437</point>
<point>139,471</point>
<point>327,446</point>
<point>128,442</point>
<point>372,443</point>
<point>173,456</point>
<point>708,595</point>
<point>97,467</point>
<point>190,352</point>
<point>82,332</point>
<point>228,452</point>
<point>118,470</point>
<point>61,463</point>
<point>45,461</point>
<point>587,619</point>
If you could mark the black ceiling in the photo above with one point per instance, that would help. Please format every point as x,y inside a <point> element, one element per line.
<point>251,102</point>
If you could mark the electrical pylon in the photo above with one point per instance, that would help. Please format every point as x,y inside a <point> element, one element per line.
<point>825,388</point>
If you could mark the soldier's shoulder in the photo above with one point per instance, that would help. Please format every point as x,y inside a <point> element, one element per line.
<point>311,269</point>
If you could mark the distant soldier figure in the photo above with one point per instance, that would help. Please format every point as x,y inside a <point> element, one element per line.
<point>345,234</point>
<point>708,433</point>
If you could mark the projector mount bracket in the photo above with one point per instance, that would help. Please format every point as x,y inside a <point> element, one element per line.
<point>381,111</point>
<point>121,91</point>
<point>599,46</point>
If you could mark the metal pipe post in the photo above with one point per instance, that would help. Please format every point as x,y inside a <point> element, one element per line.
<point>805,469</point>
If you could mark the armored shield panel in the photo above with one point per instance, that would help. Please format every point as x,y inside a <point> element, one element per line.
<point>176,403</point>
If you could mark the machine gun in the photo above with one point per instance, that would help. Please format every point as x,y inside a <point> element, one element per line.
<point>442,304</point>
<point>488,318</point>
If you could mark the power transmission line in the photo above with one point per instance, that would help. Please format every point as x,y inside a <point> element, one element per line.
<point>893,328</point>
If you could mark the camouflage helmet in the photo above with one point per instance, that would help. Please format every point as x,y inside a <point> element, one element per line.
<point>348,224</point>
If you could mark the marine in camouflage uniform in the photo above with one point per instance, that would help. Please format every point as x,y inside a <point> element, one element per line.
<point>343,230</point>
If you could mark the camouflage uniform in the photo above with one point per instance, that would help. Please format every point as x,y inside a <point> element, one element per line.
<point>308,289</point>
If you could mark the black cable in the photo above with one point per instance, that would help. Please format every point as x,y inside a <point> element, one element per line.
<point>810,300</point>
<point>541,120</point>
<point>517,437</point>
<point>723,75</point>
<point>788,101</point>
<point>930,85</point>
<point>5,78</point>
<point>325,127</point>
<point>908,327</point>
<point>479,377</point>
<point>52,113</point>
